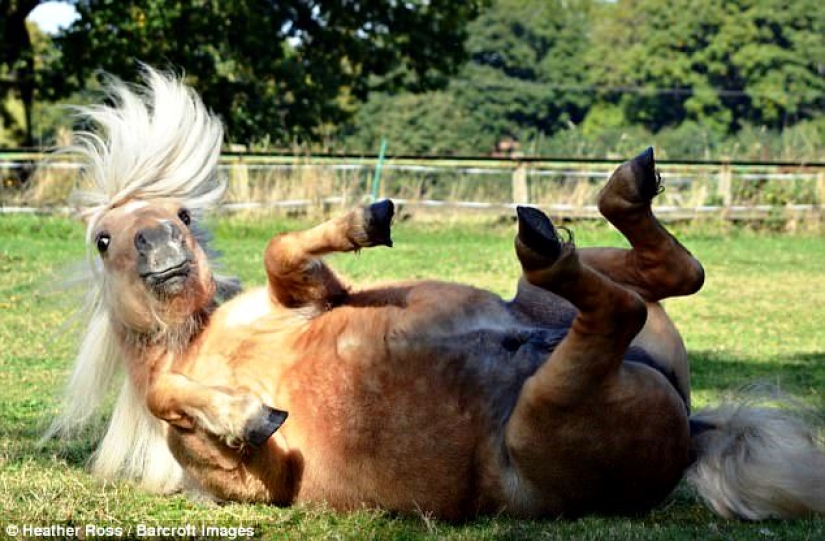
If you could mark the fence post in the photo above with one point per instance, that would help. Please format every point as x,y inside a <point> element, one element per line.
<point>239,188</point>
<point>521,193</point>
<point>723,189</point>
<point>820,196</point>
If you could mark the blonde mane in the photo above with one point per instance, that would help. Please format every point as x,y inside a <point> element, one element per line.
<point>156,140</point>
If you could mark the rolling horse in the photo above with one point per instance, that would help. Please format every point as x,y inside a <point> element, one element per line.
<point>572,398</point>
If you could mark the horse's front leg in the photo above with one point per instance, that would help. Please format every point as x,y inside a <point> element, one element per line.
<point>235,418</point>
<point>297,276</point>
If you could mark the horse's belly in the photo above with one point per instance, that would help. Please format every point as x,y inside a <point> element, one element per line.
<point>374,436</point>
<point>410,417</point>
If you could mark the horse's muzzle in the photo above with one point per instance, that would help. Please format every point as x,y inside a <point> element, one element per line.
<point>165,262</point>
<point>170,280</point>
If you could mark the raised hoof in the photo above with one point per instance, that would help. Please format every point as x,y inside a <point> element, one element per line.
<point>261,427</point>
<point>536,233</point>
<point>377,221</point>
<point>648,183</point>
<point>631,188</point>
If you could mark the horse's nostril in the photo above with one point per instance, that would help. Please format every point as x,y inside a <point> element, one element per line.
<point>141,242</point>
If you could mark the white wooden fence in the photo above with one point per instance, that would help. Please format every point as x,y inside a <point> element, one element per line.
<point>517,181</point>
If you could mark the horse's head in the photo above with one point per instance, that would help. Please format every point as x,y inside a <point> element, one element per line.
<point>150,169</point>
<point>155,271</point>
<point>149,172</point>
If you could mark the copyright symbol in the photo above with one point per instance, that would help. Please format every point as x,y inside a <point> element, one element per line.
<point>12,530</point>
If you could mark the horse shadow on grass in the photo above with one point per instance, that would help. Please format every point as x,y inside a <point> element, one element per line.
<point>801,375</point>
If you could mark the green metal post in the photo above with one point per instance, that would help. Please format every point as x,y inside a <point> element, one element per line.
<point>376,179</point>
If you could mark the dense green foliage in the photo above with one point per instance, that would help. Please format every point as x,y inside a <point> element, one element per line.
<point>590,78</point>
<point>16,64</point>
<point>701,79</point>
<point>758,318</point>
<point>523,57</point>
<point>720,63</point>
<point>277,70</point>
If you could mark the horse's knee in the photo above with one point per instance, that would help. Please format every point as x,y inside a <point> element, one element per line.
<point>281,254</point>
<point>671,271</point>
<point>612,312</point>
<point>297,280</point>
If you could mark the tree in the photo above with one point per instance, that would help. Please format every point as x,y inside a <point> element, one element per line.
<point>17,59</point>
<point>276,71</point>
<point>424,123</point>
<point>722,64</point>
<point>524,77</point>
<point>525,70</point>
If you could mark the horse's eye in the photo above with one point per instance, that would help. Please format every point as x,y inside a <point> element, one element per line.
<point>184,216</point>
<point>102,241</point>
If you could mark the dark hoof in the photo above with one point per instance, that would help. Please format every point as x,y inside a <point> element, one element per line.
<point>644,169</point>
<point>536,232</point>
<point>377,221</point>
<point>259,429</point>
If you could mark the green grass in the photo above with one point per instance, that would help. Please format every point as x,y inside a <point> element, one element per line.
<point>757,319</point>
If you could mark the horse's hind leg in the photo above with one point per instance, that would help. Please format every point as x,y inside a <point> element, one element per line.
<point>657,266</point>
<point>608,314</point>
<point>585,424</point>
<point>297,276</point>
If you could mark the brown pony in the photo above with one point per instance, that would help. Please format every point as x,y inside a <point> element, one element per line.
<point>432,397</point>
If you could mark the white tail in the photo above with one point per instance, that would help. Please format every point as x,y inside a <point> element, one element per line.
<point>756,462</point>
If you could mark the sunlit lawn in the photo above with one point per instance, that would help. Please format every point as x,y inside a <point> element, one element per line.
<point>758,318</point>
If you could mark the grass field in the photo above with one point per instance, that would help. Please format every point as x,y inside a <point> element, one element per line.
<point>759,318</point>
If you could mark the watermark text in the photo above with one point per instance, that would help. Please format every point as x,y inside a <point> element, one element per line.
<point>132,531</point>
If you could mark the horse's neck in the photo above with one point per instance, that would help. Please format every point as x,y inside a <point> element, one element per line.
<point>148,353</point>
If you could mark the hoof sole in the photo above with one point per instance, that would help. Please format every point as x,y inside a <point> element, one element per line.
<point>377,221</point>
<point>536,232</point>
<point>260,428</point>
<point>648,182</point>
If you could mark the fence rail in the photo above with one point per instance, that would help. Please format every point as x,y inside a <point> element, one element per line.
<point>537,162</point>
<point>731,189</point>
